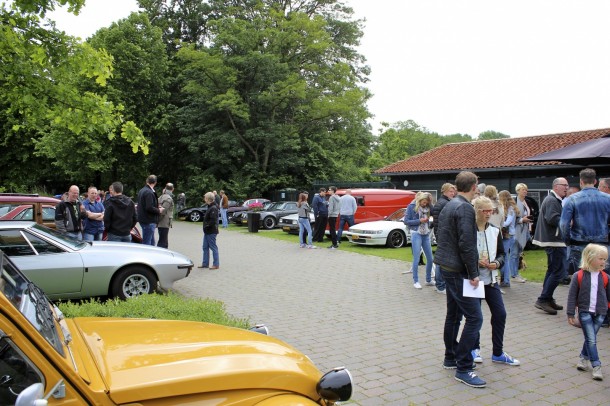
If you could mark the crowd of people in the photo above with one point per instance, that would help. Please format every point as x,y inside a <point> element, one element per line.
<point>481,235</point>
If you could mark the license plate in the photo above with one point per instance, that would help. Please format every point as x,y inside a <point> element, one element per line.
<point>355,237</point>
<point>286,228</point>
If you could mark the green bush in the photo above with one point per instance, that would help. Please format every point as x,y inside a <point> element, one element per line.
<point>170,306</point>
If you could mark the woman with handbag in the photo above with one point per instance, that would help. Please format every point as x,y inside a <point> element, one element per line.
<point>508,233</point>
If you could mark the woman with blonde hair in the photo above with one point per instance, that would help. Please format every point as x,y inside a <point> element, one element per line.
<point>417,218</point>
<point>523,230</point>
<point>497,217</point>
<point>509,206</point>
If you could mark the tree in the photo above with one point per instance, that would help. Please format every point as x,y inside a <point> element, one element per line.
<point>492,135</point>
<point>41,70</point>
<point>140,82</point>
<point>273,94</point>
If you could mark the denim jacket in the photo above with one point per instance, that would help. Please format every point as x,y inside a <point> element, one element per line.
<point>411,218</point>
<point>585,217</point>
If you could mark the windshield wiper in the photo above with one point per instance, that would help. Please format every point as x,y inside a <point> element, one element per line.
<point>43,311</point>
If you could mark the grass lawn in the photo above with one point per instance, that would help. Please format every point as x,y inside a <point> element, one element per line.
<point>535,259</point>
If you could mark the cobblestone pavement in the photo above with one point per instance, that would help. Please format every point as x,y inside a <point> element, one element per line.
<point>360,311</point>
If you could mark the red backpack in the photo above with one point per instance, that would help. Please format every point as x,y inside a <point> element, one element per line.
<point>580,273</point>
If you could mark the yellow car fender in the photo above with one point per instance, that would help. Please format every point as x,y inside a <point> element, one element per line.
<point>288,400</point>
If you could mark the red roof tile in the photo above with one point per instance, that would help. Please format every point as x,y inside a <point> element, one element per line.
<point>489,154</point>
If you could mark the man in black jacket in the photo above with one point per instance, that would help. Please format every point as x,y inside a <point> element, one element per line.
<point>148,210</point>
<point>119,215</point>
<point>447,193</point>
<point>457,255</point>
<point>547,235</point>
<point>68,214</point>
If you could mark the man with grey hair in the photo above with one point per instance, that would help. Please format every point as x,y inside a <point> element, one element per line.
<point>347,210</point>
<point>547,236</point>
<point>166,201</point>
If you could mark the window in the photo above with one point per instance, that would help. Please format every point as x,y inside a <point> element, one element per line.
<point>16,372</point>
<point>41,246</point>
<point>13,243</point>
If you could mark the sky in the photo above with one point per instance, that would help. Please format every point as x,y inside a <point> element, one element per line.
<point>523,67</point>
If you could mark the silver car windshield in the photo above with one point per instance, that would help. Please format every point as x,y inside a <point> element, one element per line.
<point>30,301</point>
<point>60,237</point>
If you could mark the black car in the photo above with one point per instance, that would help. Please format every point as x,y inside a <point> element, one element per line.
<point>197,213</point>
<point>270,216</point>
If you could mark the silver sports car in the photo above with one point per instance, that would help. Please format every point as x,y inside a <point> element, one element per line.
<point>68,269</point>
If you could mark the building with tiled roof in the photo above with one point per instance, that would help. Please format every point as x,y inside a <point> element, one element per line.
<point>496,162</point>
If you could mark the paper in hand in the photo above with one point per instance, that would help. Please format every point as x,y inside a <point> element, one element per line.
<point>471,291</point>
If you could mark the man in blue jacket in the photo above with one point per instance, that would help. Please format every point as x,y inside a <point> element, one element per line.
<point>320,212</point>
<point>585,218</point>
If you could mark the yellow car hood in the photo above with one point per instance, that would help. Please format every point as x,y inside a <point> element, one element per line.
<point>152,359</point>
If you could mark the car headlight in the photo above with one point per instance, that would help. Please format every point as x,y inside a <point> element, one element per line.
<point>260,328</point>
<point>335,385</point>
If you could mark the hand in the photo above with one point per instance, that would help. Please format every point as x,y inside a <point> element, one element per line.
<point>475,282</point>
<point>484,262</point>
<point>423,220</point>
<point>572,321</point>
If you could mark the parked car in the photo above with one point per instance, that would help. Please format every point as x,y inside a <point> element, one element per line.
<point>391,232</point>
<point>290,223</point>
<point>34,207</point>
<point>260,200</point>
<point>69,269</point>
<point>269,217</point>
<point>197,213</point>
<point>112,361</point>
<point>241,217</point>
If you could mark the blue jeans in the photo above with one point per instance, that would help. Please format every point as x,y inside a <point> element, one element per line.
<point>555,272</point>
<point>344,218</point>
<point>438,277</point>
<point>148,233</point>
<point>209,243</point>
<point>515,253</point>
<point>506,270</point>
<point>225,220</point>
<point>304,224</point>
<point>93,237</point>
<point>590,323</point>
<point>118,238</point>
<point>419,242</point>
<point>459,306</point>
<point>493,297</point>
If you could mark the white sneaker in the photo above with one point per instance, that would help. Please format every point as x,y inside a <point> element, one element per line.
<point>520,279</point>
<point>430,283</point>
<point>416,285</point>
<point>406,272</point>
<point>442,292</point>
<point>476,356</point>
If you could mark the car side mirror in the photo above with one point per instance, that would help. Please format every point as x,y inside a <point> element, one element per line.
<point>32,396</point>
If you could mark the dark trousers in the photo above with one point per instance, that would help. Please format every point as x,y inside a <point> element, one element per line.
<point>493,297</point>
<point>163,234</point>
<point>555,272</point>
<point>459,306</point>
<point>332,227</point>
<point>320,227</point>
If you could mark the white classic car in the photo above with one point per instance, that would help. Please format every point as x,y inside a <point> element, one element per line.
<point>391,232</point>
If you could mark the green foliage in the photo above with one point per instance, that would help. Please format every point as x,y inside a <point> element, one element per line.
<point>168,307</point>
<point>492,135</point>
<point>41,72</point>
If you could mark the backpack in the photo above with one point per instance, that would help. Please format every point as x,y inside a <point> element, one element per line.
<point>604,277</point>
<point>580,273</point>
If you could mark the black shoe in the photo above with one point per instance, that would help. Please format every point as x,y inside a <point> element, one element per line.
<point>555,306</point>
<point>566,281</point>
<point>545,306</point>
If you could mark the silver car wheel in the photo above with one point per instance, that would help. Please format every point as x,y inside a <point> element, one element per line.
<point>133,281</point>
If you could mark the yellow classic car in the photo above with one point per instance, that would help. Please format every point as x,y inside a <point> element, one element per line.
<point>48,359</point>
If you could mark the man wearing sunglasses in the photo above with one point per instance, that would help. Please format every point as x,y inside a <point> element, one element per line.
<point>547,236</point>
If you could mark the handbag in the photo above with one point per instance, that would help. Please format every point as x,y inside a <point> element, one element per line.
<point>505,234</point>
<point>522,263</point>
